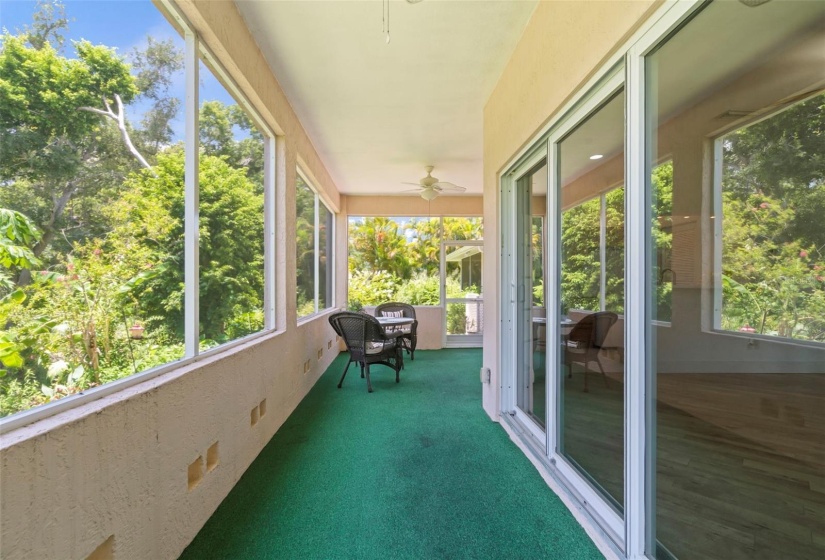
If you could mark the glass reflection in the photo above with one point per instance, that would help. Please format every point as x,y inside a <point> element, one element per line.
<point>531,323</point>
<point>736,280</point>
<point>592,299</point>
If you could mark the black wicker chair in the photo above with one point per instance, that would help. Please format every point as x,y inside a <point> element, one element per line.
<point>585,340</point>
<point>410,332</point>
<point>367,343</point>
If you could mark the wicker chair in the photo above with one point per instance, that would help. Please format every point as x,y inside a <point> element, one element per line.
<point>367,343</point>
<point>585,340</point>
<point>409,338</point>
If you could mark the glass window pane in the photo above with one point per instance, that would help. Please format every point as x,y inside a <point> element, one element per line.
<point>538,261</point>
<point>580,255</point>
<point>662,236</point>
<point>231,217</point>
<point>463,270</point>
<point>324,256</point>
<point>394,259</point>
<point>592,338</point>
<point>91,280</point>
<point>614,251</point>
<point>531,323</point>
<point>305,247</point>
<point>773,247</point>
<point>463,229</point>
<point>465,318</point>
<point>735,267</point>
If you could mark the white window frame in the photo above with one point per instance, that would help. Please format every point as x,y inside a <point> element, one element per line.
<point>194,51</point>
<point>318,201</point>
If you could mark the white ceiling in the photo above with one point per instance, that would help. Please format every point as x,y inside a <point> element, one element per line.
<point>378,113</point>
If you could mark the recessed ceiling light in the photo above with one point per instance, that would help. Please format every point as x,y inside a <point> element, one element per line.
<point>596,156</point>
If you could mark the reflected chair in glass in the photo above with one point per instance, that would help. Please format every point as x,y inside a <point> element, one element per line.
<point>367,343</point>
<point>410,332</point>
<point>584,342</point>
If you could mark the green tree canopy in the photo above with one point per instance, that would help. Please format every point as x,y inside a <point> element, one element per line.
<point>231,240</point>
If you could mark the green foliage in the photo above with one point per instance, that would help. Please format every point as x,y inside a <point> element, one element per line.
<point>110,238</point>
<point>372,288</point>
<point>773,254</point>
<point>398,259</point>
<point>421,289</point>
<point>154,68</point>
<point>49,21</point>
<point>231,241</point>
<point>378,244</point>
<point>43,132</point>
<point>662,234</point>
<point>17,235</point>
<point>59,163</point>
<point>580,268</point>
<point>305,247</point>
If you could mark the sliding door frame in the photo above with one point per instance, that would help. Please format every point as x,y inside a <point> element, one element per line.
<point>610,519</point>
<point>633,534</point>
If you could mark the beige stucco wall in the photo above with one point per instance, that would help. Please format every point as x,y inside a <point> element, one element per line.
<point>117,467</point>
<point>462,206</point>
<point>562,46</point>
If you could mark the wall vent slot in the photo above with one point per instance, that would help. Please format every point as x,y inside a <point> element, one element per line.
<point>195,472</point>
<point>253,416</point>
<point>212,457</point>
<point>106,550</point>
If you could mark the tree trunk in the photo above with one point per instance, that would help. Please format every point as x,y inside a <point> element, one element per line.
<point>25,276</point>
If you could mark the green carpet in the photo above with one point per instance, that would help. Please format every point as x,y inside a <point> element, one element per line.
<point>414,470</point>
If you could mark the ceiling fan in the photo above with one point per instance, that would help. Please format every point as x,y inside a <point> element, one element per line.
<point>430,187</point>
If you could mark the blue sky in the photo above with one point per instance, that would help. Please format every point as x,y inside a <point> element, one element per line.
<point>123,24</point>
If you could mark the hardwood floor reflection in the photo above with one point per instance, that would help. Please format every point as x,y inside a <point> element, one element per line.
<point>740,461</point>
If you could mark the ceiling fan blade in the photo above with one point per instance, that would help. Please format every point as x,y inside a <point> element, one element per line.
<point>407,183</point>
<point>411,191</point>
<point>444,186</point>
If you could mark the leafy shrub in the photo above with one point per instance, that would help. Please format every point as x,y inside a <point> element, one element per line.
<point>421,289</point>
<point>372,288</point>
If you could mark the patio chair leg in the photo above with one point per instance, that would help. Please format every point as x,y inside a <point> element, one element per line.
<point>369,385</point>
<point>344,375</point>
<point>362,370</point>
<point>604,376</point>
<point>586,389</point>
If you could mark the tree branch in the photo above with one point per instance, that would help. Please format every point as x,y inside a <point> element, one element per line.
<point>120,119</point>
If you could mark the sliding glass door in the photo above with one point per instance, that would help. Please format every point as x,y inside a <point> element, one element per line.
<point>669,357</point>
<point>564,273</point>
<point>735,181</point>
<point>589,184</point>
<point>530,321</point>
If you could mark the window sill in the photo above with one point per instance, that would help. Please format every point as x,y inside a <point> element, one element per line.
<point>320,314</point>
<point>770,339</point>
